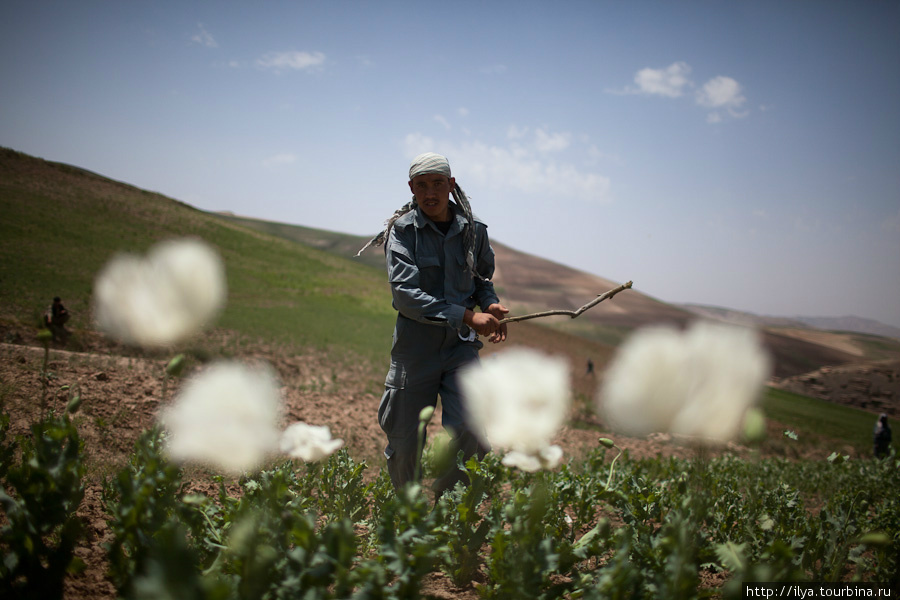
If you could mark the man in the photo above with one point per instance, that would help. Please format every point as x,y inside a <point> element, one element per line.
<point>881,436</point>
<point>439,263</point>
<point>55,320</point>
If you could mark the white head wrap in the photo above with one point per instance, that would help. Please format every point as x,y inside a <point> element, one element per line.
<point>423,165</point>
<point>427,163</point>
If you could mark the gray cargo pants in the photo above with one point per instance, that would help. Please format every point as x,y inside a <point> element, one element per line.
<point>425,360</point>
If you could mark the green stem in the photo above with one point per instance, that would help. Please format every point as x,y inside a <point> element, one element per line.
<point>420,447</point>
<point>212,528</point>
<point>216,562</point>
<point>612,467</point>
<point>45,380</point>
<point>165,385</point>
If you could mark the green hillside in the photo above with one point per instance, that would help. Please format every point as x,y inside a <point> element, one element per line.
<point>816,422</point>
<point>61,224</point>
<point>341,244</point>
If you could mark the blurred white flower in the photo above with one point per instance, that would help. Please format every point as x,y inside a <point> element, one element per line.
<point>226,416</point>
<point>163,298</point>
<point>699,382</point>
<point>518,400</point>
<point>546,458</point>
<point>309,443</point>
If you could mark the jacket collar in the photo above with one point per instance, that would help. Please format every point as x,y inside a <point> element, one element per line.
<point>459,221</point>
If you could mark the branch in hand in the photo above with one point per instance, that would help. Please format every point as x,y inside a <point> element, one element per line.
<point>571,313</point>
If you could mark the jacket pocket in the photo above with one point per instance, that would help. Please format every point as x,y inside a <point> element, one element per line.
<point>465,282</point>
<point>431,276</point>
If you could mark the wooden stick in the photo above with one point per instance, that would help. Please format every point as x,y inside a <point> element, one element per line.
<point>570,313</point>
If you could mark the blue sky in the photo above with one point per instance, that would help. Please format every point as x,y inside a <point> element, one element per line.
<point>740,154</point>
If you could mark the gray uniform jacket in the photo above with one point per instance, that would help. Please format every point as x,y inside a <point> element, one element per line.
<point>427,270</point>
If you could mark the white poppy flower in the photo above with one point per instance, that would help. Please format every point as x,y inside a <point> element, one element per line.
<point>518,400</point>
<point>226,416</point>
<point>161,299</point>
<point>309,443</point>
<point>546,458</point>
<point>699,382</point>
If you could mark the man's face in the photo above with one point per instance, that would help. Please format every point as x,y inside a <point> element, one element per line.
<point>432,194</point>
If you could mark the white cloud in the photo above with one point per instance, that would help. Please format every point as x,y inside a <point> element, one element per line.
<point>515,133</point>
<point>462,111</point>
<point>279,160</point>
<point>440,119</point>
<point>547,142</point>
<point>523,165</point>
<point>721,92</point>
<point>669,82</point>
<point>595,155</point>
<point>204,38</point>
<point>294,60</point>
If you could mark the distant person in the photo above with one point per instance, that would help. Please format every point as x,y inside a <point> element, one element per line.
<point>55,320</point>
<point>439,262</point>
<point>882,436</point>
<point>590,367</point>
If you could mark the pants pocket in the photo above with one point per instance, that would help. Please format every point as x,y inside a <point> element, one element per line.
<point>387,409</point>
<point>394,383</point>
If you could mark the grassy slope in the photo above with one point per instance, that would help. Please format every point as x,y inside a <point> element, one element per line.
<point>60,224</point>
<point>341,244</point>
<point>811,418</point>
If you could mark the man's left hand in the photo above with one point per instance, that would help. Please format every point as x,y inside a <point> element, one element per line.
<point>499,312</point>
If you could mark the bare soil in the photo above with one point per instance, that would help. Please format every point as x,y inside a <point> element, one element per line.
<point>122,391</point>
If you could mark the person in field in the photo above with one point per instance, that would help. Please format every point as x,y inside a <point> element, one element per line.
<point>881,436</point>
<point>55,319</point>
<point>439,264</point>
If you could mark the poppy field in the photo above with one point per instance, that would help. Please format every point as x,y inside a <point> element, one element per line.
<point>607,526</point>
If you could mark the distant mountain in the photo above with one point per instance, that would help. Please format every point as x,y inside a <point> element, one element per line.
<point>851,323</point>
<point>737,317</point>
<point>847,323</point>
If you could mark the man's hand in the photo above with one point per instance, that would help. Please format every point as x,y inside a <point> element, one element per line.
<point>488,323</point>
<point>499,312</point>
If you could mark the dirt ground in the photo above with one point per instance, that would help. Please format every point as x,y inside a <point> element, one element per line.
<point>122,392</point>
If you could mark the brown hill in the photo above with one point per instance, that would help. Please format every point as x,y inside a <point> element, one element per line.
<point>531,283</point>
